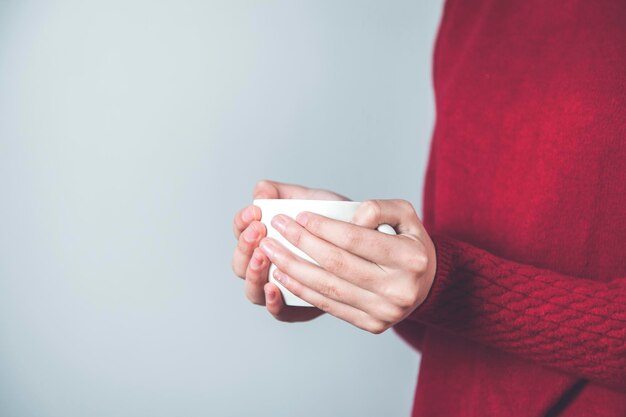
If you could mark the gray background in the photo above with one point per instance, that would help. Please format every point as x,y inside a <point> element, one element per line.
<point>130,133</point>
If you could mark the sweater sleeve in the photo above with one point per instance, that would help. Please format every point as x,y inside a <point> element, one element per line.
<point>574,324</point>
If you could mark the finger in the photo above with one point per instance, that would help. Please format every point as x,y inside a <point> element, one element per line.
<point>248,240</point>
<point>277,308</point>
<point>317,278</point>
<point>372,245</point>
<point>244,217</point>
<point>334,259</point>
<point>399,214</point>
<point>256,277</point>
<point>340,310</point>
<point>355,270</point>
<point>275,189</point>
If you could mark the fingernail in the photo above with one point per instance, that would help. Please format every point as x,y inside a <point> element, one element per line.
<point>280,277</point>
<point>302,219</point>
<point>256,261</point>
<point>280,223</point>
<point>268,247</point>
<point>248,214</point>
<point>251,234</point>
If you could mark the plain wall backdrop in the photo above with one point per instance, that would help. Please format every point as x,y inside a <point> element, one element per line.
<point>130,134</point>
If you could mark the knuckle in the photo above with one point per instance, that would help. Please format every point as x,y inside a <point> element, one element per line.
<point>236,230</point>
<point>391,313</point>
<point>237,219</point>
<point>404,298</point>
<point>372,210</point>
<point>324,305</point>
<point>265,189</point>
<point>260,184</point>
<point>243,246</point>
<point>353,238</point>
<point>294,234</point>
<point>295,289</point>
<point>329,290</point>
<point>414,259</point>
<point>406,207</point>
<point>405,256</point>
<point>261,230</point>
<point>313,224</point>
<point>377,327</point>
<point>253,300</point>
<point>286,263</point>
<point>334,262</point>
<point>419,262</point>
<point>254,279</point>
<point>234,265</point>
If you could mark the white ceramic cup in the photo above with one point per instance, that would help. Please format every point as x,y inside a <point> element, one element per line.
<point>339,210</point>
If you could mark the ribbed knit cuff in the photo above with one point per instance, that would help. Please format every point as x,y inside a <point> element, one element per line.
<point>445,249</point>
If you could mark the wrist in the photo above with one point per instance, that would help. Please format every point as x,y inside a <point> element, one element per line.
<point>434,287</point>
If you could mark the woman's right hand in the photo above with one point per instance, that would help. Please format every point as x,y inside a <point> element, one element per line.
<point>251,264</point>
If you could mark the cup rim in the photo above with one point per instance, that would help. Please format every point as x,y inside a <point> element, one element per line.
<point>303,200</point>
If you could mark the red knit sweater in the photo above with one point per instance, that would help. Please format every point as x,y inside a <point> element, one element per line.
<point>525,198</point>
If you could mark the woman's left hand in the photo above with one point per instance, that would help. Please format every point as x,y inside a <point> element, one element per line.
<point>368,278</point>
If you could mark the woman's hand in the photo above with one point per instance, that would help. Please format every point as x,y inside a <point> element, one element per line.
<point>252,264</point>
<point>368,278</point>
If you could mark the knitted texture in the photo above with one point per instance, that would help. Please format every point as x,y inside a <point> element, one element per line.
<point>575,324</point>
<point>525,198</point>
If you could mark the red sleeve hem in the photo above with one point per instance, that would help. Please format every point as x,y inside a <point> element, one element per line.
<point>445,263</point>
<point>568,323</point>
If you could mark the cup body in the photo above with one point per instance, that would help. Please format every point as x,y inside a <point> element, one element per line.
<point>339,210</point>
